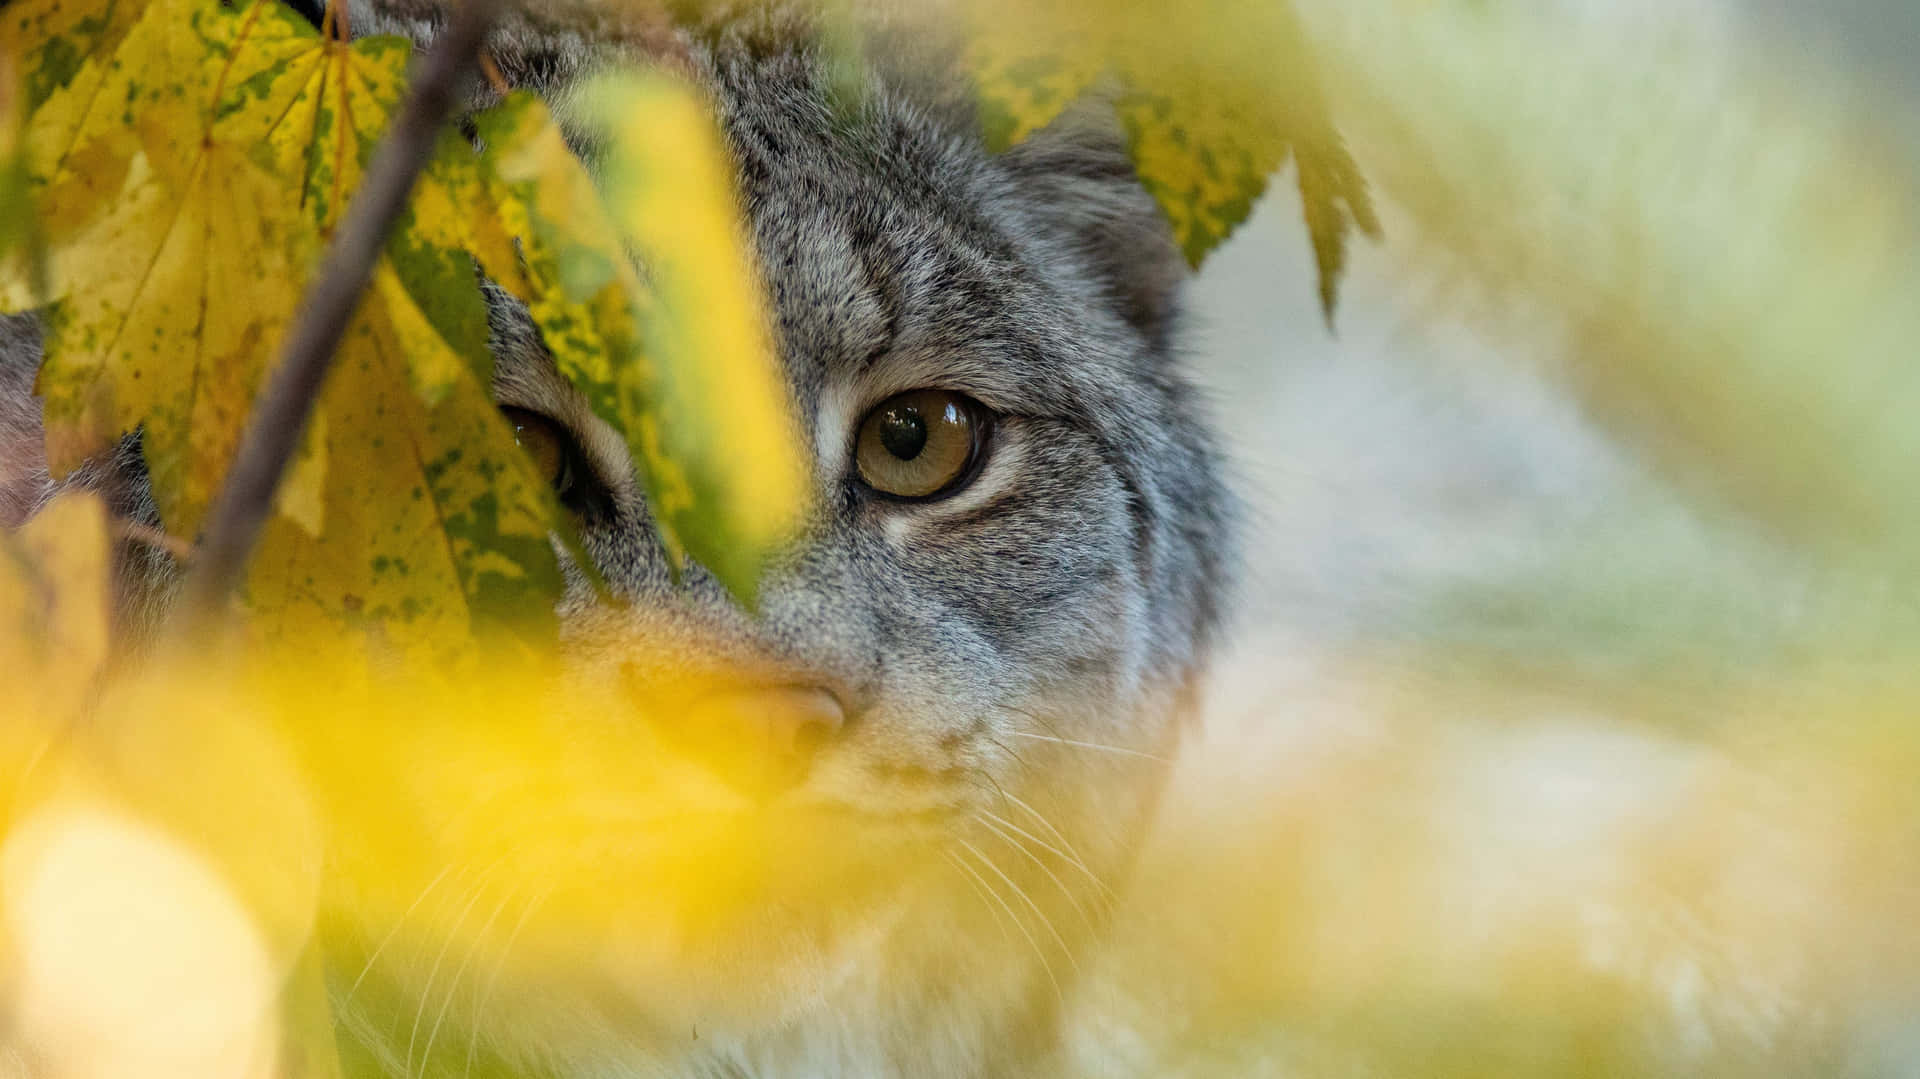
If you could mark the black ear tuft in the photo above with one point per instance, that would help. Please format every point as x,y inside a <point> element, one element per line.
<point>1079,175</point>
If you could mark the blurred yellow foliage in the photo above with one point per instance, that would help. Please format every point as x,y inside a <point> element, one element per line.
<point>722,456</point>
<point>54,620</point>
<point>1713,247</point>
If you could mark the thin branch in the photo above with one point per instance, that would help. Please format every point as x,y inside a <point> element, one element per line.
<point>282,412</point>
<point>501,88</point>
<point>149,536</point>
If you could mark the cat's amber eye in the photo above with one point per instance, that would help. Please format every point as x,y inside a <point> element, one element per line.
<point>549,446</point>
<point>921,444</point>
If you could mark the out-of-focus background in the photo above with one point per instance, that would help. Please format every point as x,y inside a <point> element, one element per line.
<point>1510,635</point>
<point>1413,451</point>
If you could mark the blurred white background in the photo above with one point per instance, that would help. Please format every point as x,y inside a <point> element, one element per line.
<point>1417,489</point>
<point>1404,456</point>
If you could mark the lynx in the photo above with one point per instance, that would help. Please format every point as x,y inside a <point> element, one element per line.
<point>961,689</point>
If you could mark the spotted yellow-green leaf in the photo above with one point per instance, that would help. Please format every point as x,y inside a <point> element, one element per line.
<point>457,207</point>
<point>66,49</point>
<point>570,267</point>
<point>169,308</point>
<point>1213,100</point>
<point>176,261</point>
<point>70,40</point>
<point>520,205</point>
<point>694,388</point>
<point>1218,101</point>
<point>19,231</point>
<point>326,138</point>
<point>436,521</point>
<point>115,85</point>
<point>713,429</point>
<point>1204,162</point>
<point>1028,72</point>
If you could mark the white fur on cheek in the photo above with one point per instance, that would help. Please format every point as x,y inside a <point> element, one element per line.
<point>833,430</point>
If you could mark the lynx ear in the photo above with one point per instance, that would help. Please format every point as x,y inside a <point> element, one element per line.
<point>1078,174</point>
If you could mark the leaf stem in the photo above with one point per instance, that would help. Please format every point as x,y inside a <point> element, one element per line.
<point>282,412</point>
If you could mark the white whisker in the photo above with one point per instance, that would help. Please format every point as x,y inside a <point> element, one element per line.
<point>1038,952</point>
<point>499,964</point>
<point>1044,868</point>
<point>978,886</point>
<point>1071,853</point>
<point>398,924</point>
<point>453,987</point>
<point>1090,745</point>
<point>1024,898</point>
<point>992,819</point>
<point>1008,750</point>
<point>433,972</point>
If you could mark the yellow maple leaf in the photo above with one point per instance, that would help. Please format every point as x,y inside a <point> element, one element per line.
<point>65,48</point>
<point>18,222</point>
<point>436,520</point>
<point>175,264</point>
<point>196,182</point>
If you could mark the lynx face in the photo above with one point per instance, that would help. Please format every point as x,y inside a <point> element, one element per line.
<point>906,785</point>
<point>931,750</point>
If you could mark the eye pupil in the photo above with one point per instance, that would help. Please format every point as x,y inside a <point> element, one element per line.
<point>920,444</point>
<point>903,432</point>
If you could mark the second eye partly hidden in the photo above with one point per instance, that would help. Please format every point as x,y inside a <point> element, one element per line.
<point>559,459</point>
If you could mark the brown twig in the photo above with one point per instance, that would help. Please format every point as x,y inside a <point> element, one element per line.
<point>494,78</point>
<point>282,412</point>
<point>149,536</point>
<point>333,24</point>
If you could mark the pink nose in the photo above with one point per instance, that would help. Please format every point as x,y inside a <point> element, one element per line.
<point>761,740</point>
